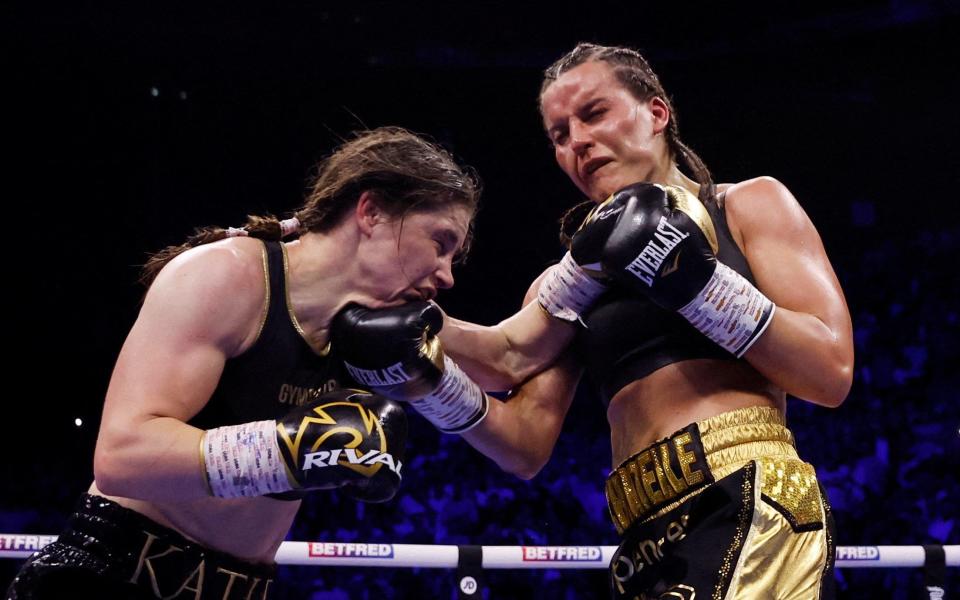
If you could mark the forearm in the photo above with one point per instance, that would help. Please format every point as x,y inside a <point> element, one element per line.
<point>159,459</point>
<point>805,357</point>
<point>393,352</point>
<point>504,355</point>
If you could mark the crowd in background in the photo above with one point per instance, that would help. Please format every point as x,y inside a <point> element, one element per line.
<point>888,458</point>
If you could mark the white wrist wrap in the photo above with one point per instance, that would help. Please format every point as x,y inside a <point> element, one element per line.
<point>568,290</point>
<point>730,310</point>
<point>457,404</point>
<point>244,460</point>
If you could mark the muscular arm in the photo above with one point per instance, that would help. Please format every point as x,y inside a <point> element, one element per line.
<point>808,348</point>
<point>520,433</point>
<point>196,314</point>
<point>504,355</point>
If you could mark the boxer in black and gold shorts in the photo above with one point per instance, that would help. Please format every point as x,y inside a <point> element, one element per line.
<point>108,551</point>
<point>724,508</point>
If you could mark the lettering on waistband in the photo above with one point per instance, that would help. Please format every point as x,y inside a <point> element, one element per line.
<point>187,572</point>
<point>656,476</point>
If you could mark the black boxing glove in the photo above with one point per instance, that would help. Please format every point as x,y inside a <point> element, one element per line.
<point>571,287</point>
<point>660,241</point>
<point>344,439</point>
<point>396,352</point>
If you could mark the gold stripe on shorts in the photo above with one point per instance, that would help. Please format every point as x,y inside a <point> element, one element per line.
<point>670,470</point>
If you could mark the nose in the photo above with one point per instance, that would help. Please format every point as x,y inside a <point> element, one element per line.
<point>444,274</point>
<point>579,136</point>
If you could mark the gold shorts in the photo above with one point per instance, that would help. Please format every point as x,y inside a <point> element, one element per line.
<point>724,508</point>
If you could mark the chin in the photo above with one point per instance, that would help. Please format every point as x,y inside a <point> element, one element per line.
<point>377,303</point>
<point>600,190</point>
<point>610,188</point>
<point>393,303</point>
<point>600,193</point>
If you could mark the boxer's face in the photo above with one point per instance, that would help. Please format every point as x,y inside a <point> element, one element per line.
<point>416,252</point>
<point>603,137</point>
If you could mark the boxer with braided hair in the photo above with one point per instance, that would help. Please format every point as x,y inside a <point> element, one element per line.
<point>696,308</point>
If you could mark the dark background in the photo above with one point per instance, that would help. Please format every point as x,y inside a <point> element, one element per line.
<point>129,124</point>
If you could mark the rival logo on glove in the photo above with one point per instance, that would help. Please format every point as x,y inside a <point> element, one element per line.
<point>331,458</point>
<point>646,264</point>
<point>362,449</point>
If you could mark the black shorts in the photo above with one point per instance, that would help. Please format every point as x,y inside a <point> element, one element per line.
<point>109,551</point>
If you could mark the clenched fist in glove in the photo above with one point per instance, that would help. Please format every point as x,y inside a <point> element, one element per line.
<point>396,352</point>
<point>346,439</point>
<point>659,241</point>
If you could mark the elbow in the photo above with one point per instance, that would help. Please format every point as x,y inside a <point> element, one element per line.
<point>526,467</point>
<point>105,474</point>
<point>526,474</point>
<point>109,472</point>
<point>836,386</point>
<point>842,388</point>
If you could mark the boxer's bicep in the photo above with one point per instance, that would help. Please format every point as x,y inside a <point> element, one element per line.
<point>807,350</point>
<point>166,372</point>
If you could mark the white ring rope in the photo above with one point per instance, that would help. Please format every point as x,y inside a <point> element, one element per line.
<point>15,545</point>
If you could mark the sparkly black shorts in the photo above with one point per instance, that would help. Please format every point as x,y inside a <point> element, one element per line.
<point>108,551</point>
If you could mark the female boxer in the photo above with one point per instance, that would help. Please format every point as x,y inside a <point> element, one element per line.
<point>222,410</point>
<point>696,308</point>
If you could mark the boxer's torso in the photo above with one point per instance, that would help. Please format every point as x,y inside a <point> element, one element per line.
<point>278,372</point>
<point>657,373</point>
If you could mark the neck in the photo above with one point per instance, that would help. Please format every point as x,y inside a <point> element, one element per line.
<point>674,176</point>
<point>322,279</point>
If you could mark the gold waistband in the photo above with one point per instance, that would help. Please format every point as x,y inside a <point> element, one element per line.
<point>669,470</point>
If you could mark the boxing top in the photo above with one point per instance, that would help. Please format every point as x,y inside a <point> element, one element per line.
<point>627,336</point>
<point>279,371</point>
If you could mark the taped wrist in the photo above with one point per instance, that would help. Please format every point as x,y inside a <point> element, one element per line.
<point>244,460</point>
<point>457,404</point>
<point>730,310</point>
<point>568,290</point>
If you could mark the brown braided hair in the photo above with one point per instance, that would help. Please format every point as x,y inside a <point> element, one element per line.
<point>404,172</point>
<point>634,73</point>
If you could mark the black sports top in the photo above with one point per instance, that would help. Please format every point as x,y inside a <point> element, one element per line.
<point>627,336</point>
<point>279,371</point>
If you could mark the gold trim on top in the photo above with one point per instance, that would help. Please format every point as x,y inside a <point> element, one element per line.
<point>293,317</point>
<point>266,286</point>
<point>691,205</point>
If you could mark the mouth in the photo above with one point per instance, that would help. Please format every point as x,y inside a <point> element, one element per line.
<point>420,295</point>
<point>590,167</point>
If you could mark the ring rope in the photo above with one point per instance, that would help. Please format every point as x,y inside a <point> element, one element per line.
<point>355,554</point>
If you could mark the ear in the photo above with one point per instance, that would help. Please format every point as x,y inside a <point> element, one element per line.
<point>660,112</point>
<point>368,213</point>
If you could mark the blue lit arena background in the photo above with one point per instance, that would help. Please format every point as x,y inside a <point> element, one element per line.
<point>127,127</point>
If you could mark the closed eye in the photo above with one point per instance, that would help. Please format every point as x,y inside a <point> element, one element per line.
<point>447,242</point>
<point>595,114</point>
